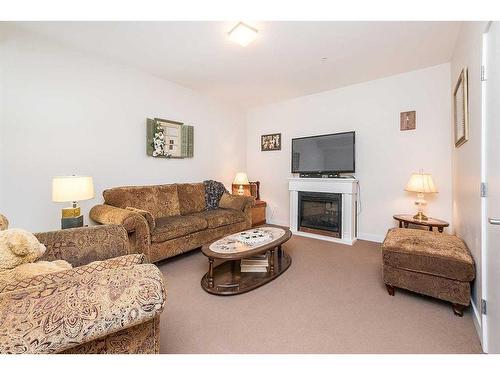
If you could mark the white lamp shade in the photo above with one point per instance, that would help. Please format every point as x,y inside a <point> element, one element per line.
<point>241,179</point>
<point>421,183</point>
<point>72,188</point>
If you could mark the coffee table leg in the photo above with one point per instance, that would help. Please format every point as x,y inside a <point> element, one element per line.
<point>271,260</point>
<point>210,272</point>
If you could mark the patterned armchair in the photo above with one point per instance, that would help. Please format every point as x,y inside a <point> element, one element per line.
<point>111,305</point>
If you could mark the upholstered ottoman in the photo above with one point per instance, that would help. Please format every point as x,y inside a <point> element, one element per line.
<point>431,263</point>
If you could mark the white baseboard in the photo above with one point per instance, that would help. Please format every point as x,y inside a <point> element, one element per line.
<point>476,318</point>
<point>323,238</point>
<point>272,222</point>
<point>361,236</point>
<point>371,237</point>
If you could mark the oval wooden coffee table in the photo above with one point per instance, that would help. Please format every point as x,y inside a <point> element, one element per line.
<point>227,279</point>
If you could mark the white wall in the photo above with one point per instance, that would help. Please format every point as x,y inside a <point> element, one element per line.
<point>65,112</point>
<point>385,156</point>
<point>467,158</point>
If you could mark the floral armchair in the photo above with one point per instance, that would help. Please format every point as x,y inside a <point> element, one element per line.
<point>111,305</point>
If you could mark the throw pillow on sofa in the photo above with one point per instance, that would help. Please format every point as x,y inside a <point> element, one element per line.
<point>19,251</point>
<point>231,202</point>
<point>17,247</point>
<point>4,223</point>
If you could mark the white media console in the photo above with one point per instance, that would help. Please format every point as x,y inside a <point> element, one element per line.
<point>348,187</point>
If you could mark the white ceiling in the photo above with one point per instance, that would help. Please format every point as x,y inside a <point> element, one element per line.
<point>284,62</point>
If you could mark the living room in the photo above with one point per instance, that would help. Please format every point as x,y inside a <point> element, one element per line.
<point>177,154</point>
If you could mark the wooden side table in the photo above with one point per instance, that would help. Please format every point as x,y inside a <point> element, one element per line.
<point>259,213</point>
<point>430,223</point>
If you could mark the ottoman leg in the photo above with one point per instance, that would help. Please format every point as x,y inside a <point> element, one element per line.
<point>390,289</point>
<point>458,309</point>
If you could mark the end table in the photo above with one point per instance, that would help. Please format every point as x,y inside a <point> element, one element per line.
<point>430,223</point>
<point>259,213</point>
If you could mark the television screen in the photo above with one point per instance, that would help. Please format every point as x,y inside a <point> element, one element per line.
<point>332,153</point>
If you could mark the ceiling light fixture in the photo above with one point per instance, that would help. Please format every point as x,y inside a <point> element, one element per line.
<point>243,34</point>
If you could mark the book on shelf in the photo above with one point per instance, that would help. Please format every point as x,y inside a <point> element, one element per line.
<point>258,263</point>
<point>253,269</point>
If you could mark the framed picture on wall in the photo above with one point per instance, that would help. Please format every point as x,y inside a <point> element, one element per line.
<point>270,142</point>
<point>169,139</point>
<point>461,110</point>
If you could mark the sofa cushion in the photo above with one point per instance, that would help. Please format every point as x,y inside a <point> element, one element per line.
<point>191,198</point>
<point>221,217</point>
<point>160,200</point>
<point>171,227</point>
<point>428,252</point>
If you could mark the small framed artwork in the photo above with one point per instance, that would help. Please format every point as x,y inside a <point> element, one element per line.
<point>461,110</point>
<point>408,120</point>
<point>270,142</point>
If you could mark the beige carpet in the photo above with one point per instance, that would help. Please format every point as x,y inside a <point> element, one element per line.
<point>331,300</point>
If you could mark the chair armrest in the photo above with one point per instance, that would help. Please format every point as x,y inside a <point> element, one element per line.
<point>135,224</point>
<point>56,317</point>
<point>80,246</point>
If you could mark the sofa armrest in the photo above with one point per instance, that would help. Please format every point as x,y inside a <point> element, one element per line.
<point>147,215</point>
<point>240,203</point>
<point>80,246</point>
<point>56,317</point>
<point>135,224</point>
<point>248,202</point>
<point>247,210</point>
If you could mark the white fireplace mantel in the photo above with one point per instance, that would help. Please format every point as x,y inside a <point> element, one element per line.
<point>348,187</point>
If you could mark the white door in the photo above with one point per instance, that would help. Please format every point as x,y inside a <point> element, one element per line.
<point>492,118</point>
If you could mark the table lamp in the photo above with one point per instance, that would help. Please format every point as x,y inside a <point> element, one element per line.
<point>72,189</point>
<point>421,183</point>
<point>241,179</point>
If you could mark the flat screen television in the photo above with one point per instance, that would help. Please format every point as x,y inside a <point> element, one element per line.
<point>324,154</point>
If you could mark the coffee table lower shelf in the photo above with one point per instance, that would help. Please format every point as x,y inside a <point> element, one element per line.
<point>228,280</point>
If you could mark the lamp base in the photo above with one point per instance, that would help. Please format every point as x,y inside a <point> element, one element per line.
<point>71,217</point>
<point>71,222</point>
<point>241,191</point>
<point>420,217</point>
<point>69,212</point>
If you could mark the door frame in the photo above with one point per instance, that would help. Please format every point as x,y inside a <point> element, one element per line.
<point>484,200</point>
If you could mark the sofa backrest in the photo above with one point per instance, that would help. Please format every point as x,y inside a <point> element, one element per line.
<point>191,198</point>
<point>160,200</point>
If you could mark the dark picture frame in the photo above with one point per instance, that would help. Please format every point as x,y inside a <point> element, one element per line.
<point>408,120</point>
<point>270,142</point>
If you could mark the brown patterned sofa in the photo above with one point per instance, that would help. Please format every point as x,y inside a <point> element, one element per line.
<point>111,305</point>
<point>165,220</point>
<point>431,263</point>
